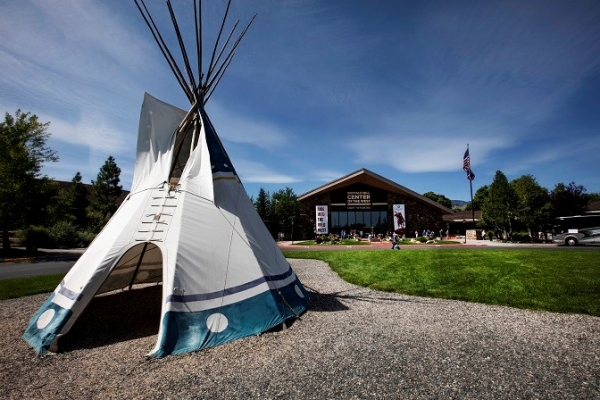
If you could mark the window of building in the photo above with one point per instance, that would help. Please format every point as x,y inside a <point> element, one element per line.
<point>358,220</point>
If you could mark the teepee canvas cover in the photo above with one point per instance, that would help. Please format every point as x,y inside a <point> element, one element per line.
<point>189,224</point>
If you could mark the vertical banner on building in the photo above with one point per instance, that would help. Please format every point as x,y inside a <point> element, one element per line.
<point>322,223</point>
<point>399,218</point>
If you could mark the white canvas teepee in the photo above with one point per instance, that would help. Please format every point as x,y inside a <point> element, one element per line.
<point>189,224</point>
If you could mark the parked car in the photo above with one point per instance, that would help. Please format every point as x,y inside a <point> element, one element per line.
<point>578,236</point>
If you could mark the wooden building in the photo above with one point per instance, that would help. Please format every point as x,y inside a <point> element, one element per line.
<point>366,202</point>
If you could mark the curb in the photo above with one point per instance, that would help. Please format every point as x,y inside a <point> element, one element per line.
<point>41,258</point>
<point>17,260</point>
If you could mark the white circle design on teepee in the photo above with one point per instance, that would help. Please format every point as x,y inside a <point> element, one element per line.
<point>45,319</point>
<point>298,291</point>
<point>217,322</point>
<point>143,275</point>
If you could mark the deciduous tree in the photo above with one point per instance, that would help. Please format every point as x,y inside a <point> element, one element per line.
<point>23,151</point>
<point>479,199</point>
<point>568,199</point>
<point>439,198</point>
<point>533,207</point>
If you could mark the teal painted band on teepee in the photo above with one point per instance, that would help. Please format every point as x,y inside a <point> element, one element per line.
<point>45,324</point>
<point>192,331</point>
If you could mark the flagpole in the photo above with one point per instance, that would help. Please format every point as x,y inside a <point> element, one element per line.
<point>472,205</point>
<point>470,177</point>
<point>471,189</point>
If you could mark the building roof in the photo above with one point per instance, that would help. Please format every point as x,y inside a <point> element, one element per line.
<point>593,207</point>
<point>460,216</point>
<point>375,180</point>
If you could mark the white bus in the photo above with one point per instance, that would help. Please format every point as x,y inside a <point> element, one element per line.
<point>576,222</point>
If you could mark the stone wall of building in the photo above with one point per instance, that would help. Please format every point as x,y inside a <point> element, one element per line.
<point>419,215</point>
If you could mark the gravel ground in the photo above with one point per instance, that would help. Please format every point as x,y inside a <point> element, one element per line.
<point>352,343</point>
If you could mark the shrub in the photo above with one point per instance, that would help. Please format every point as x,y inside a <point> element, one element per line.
<point>521,237</point>
<point>422,239</point>
<point>85,238</point>
<point>319,240</point>
<point>34,237</point>
<point>64,235</point>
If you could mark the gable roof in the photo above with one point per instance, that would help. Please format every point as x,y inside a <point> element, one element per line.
<point>463,216</point>
<point>370,178</point>
<point>593,207</point>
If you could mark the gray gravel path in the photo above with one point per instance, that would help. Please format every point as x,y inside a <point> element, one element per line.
<point>353,343</point>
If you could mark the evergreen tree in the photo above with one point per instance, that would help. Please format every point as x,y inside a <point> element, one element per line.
<point>263,205</point>
<point>105,193</point>
<point>285,211</point>
<point>77,201</point>
<point>23,151</point>
<point>499,209</point>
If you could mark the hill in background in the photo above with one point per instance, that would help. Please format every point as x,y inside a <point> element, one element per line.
<point>458,203</point>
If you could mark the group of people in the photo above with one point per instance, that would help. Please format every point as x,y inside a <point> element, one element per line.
<point>351,234</point>
<point>430,234</point>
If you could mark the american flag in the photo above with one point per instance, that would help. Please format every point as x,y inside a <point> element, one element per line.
<point>467,165</point>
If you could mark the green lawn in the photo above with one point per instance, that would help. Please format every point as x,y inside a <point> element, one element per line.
<point>351,242</point>
<point>344,242</point>
<point>12,288</point>
<point>552,280</point>
<point>540,279</point>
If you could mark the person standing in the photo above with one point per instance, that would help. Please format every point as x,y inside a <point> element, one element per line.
<point>395,241</point>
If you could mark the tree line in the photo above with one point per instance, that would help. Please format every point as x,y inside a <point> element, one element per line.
<point>43,212</point>
<point>280,211</point>
<point>524,205</point>
<point>47,214</point>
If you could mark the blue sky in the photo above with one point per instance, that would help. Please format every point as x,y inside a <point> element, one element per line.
<point>320,89</point>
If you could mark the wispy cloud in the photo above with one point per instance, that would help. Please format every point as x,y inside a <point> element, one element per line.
<point>248,130</point>
<point>327,175</point>
<point>93,131</point>
<point>254,172</point>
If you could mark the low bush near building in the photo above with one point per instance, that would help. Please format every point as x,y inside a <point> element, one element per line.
<point>34,237</point>
<point>63,235</point>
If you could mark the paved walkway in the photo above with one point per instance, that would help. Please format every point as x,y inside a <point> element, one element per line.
<point>288,245</point>
<point>73,254</point>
